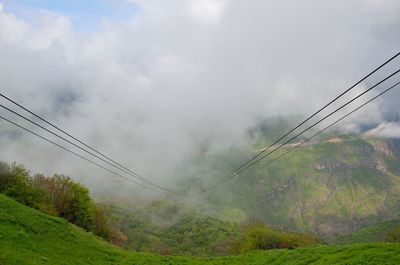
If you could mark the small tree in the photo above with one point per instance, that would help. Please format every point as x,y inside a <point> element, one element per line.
<point>101,226</point>
<point>5,175</point>
<point>71,200</point>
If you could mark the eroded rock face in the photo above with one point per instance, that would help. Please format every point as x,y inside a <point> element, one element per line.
<point>331,165</point>
<point>384,147</point>
<point>348,186</point>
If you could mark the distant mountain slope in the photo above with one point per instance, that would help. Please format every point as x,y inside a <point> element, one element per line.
<point>332,186</point>
<point>373,233</point>
<point>168,227</point>
<point>30,237</point>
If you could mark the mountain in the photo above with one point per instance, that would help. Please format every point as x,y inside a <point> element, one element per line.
<point>332,186</point>
<point>29,237</point>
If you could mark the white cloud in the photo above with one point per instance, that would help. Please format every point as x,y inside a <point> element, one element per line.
<point>145,90</point>
<point>209,11</point>
<point>386,130</point>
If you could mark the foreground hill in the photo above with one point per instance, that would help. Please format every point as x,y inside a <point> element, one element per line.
<point>30,237</point>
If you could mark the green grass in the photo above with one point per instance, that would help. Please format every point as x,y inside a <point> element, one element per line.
<point>30,237</point>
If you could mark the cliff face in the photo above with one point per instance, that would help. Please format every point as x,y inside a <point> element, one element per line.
<point>331,187</point>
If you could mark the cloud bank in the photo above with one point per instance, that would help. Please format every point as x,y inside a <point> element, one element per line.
<point>146,90</point>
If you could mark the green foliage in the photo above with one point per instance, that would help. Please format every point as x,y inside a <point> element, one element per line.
<point>258,236</point>
<point>72,201</point>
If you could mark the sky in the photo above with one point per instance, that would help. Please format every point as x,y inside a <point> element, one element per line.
<point>147,81</point>
<point>85,15</point>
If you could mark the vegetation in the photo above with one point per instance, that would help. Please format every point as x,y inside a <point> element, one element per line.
<point>162,227</point>
<point>381,232</point>
<point>166,227</point>
<point>30,237</point>
<point>393,235</point>
<point>333,186</point>
<point>59,196</point>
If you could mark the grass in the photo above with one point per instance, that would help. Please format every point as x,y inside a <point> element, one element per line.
<point>30,237</point>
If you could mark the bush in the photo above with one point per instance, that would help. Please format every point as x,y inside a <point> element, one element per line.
<point>394,235</point>
<point>101,226</point>
<point>70,199</point>
<point>17,184</point>
<point>258,236</point>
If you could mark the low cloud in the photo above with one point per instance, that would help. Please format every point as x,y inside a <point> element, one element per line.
<point>386,130</point>
<point>148,89</point>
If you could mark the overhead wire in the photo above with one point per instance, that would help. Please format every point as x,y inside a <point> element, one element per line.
<point>83,149</point>
<point>81,142</point>
<point>331,125</point>
<point>76,154</point>
<point>309,127</point>
<point>309,118</point>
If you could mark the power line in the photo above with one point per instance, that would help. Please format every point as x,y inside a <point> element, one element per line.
<point>237,172</point>
<point>83,149</point>
<point>308,128</point>
<point>76,154</point>
<point>332,124</point>
<point>120,166</point>
<point>307,119</point>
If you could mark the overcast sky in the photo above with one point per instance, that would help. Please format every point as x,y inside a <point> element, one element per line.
<point>147,80</point>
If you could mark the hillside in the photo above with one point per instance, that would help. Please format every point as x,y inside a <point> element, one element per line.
<point>168,227</point>
<point>30,237</point>
<point>373,233</point>
<point>333,186</point>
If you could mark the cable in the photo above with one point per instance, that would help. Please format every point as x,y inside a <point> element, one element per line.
<point>308,128</point>
<point>332,124</point>
<point>310,117</point>
<point>222,181</point>
<point>68,141</point>
<point>72,152</point>
<point>86,145</point>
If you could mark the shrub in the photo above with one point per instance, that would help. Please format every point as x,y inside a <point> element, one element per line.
<point>5,175</point>
<point>393,235</point>
<point>101,226</point>
<point>71,200</point>
<point>258,236</point>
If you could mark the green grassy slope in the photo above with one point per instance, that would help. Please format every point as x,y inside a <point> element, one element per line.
<point>30,237</point>
<point>378,253</point>
<point>373,233</point>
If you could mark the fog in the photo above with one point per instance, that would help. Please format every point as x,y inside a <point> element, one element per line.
<point>178,74</point>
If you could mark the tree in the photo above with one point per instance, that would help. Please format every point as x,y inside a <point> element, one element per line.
<point>5,175</point>
<point>70,199</point>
